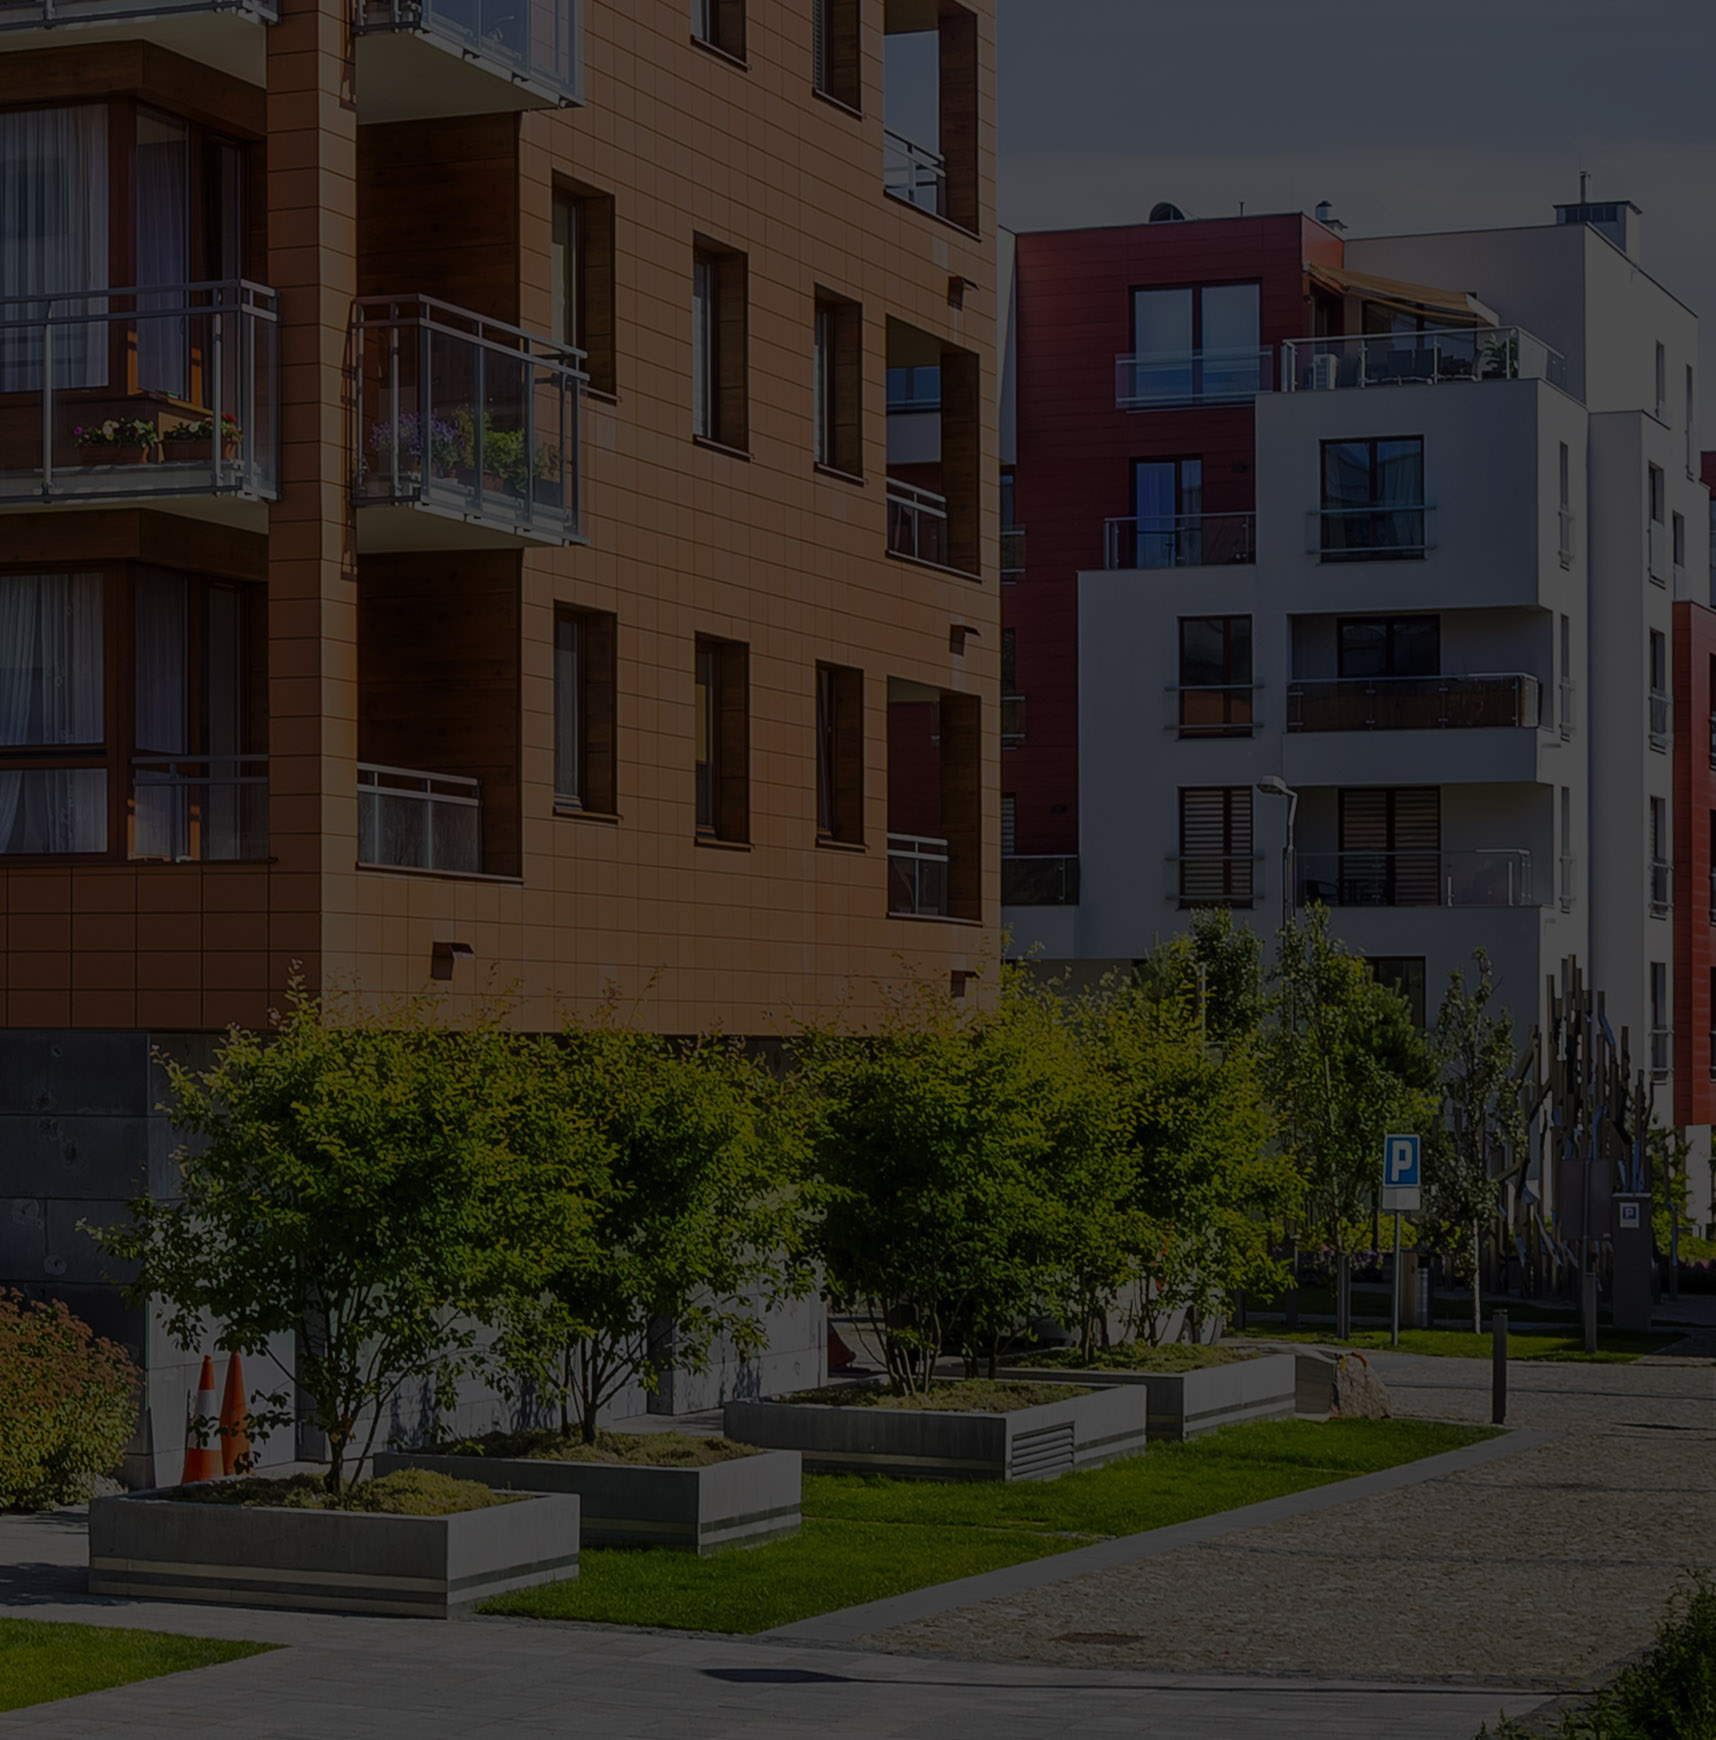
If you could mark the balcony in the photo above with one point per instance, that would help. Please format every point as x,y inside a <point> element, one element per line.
<point>1012,555</point>
<point>1196,377</point>
<point>1179,541</point>
<point>429,59</point>
<point>225,34</point>
<point>914,173</point>
<point>917,876</point>
<point>1213,709</point>
<point>1661,887</point>
<point>1371,532</point>
<point>1226,879</point>
<point>1659,727</point>
<point>199,809</point>
<point>1039,881</point>
<point>410,819</point>
<point>465,419</point>
<point>1466,353</point>
<point>917,523</point>
<point>115,395</point>
<point>1416,878</point>
<point>1415,703</point>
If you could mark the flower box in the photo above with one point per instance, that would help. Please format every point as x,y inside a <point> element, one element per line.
<point>1185,1403</point>
<point>198,450</point>
<point>106,453</point>
<point>150,1546</point>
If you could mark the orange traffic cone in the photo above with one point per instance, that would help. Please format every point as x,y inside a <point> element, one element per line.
<point>202,1455</point>
<point>234,1421</point>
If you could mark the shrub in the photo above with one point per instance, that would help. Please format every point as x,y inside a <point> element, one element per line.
<point>67,1404</point>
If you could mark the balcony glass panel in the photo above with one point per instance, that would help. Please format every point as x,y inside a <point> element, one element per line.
<point>467,417</point>
<point>199,808</point>
<point>1416,878</point>
<point>416,820</point>
<point>1215,879</point>
<point>1179,541</point>
<point>1414,703</point>
<point>917,876</point>
<point>1376,532</point>
<point>1192,377</point>
<point>1393,359</point>
<point>917,523</point>
<point>209,427</point>
<point>533,44</point>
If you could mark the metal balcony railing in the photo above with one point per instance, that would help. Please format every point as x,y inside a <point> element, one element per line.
<point>1144,381</point>
<point>1213,709</point>
<point>1012,554</point>
<point>1661,887</point>
<point>531,44</point>
<point>1414,703</point>
<point>131,387</point>
<point>45,14</point>
<point>1565,516</point>
<point>1216,879</point>
<point>1393,359</point>
<point>1373,532</point>
<point>1012,719</point>
<point>410,819</point>
<point>1039,881</point>
<point>1179,541</point>
<point>1661,1053</point>
<point>1416,878</point>
<point>917,876</point>
<point>1659,707</point>
<point>467,417</point>
<point>199,808</point>
<point>917,523</point>
<point>914,173</point>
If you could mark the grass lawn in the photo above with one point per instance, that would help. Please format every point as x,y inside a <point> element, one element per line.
<point>866,1537</point>
<point>1614,1347</point>
<point>42,1660</point>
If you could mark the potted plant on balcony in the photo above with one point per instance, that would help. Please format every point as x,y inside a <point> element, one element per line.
<point>506,464</point>
<point>193,442</point>
<point>405,435</point>
<point>118,441</point>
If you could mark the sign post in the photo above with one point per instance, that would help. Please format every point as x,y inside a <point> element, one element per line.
<point>1400,1194</point>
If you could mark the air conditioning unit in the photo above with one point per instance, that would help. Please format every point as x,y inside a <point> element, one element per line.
<point>1324,371</point>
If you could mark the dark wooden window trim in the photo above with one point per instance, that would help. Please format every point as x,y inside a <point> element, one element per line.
<point>839,723</point>
<point>597,702</point>
<point>729,741</point>
<point>729,409</point>
<point>595,298</point>
<point>840,398</point>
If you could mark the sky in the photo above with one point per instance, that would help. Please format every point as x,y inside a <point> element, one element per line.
<point>1468,114</point>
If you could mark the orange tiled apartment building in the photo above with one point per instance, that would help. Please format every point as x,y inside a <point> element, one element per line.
<point>494,495</point>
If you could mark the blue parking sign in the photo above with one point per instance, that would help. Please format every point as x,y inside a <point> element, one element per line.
<point>1400,1162</point>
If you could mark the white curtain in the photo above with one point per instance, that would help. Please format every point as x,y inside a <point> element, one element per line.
<point>163,253</point>
<point>51,688</point>
<point>53,239</point>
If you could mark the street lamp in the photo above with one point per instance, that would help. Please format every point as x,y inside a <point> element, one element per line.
<point>1273,785</point>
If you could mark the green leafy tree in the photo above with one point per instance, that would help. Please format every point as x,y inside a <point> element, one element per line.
<point>1482,1118</point>
<point>356,1184</point>
<point>694,1223</point>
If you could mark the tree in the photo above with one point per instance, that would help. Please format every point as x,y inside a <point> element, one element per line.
<point>1481,1113</point>
<point>693,1220</point>
<point>355,1184</point>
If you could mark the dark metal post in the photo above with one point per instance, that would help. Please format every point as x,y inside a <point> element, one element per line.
<point>1343,1297</point>
<point>1498,1369</point>
<point>1588,1307</point>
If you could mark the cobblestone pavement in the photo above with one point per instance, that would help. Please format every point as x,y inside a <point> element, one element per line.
<point>1540,1569</point>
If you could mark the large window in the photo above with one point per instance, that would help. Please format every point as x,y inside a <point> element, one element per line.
<point>1373,499</point>
<point>1196,342</point>
<point>1404,975</point>
<point>1215,676</point>
<point>719,24</point>
<point>1658,690</point>
<point>834,26</point>
<point>1661,866</point>
<point>1168,510</point>
<point>1389,646</point>
<point>584,711</point>
<point>1216,862</point>
<point>1391,845</point>
<point>583,280</point>
<point>840,754</point>
<point>721,749</point>
<point>719,410</point>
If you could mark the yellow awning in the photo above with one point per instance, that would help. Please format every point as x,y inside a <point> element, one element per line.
<point>1459,305</point>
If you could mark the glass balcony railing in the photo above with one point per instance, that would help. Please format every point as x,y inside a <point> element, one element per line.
<point>1194,377</point>
<point>914,173</point>
<point>1213,709</point>
<point>1416,878</point>
<point>1394,359</point>
<point>409,819</point>
<point>1039,881</point>
<point>1414,703</point>
<point>1179,541</point>
<point>1370,531</point>
<point>141,393</point>
<point>46,14</point>
<point>1218,879</point>
<point>917,523</point>
<point>534,45</point>
<point>467,417</point>
<point>1012,554</point>
<point>917,876</point>
<point>199,808</point>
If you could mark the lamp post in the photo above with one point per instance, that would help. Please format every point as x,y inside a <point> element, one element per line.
<point>1273,785</point>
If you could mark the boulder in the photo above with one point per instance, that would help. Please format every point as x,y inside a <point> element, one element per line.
<point>1359,1393</point>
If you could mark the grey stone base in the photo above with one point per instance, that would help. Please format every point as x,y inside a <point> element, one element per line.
<point>1035,1443</point>
<point>741,1503</point>
<point>1183,1404</point>
<point>426,1567</point>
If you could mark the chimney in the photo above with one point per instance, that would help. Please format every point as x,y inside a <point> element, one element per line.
<point>1325,215</point>
<point>1618,219</point>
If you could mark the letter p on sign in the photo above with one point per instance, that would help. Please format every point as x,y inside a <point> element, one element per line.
<point>1400,1174</point>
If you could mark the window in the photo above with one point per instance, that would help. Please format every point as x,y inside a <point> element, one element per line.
<point>1168,509</point>
<point>719,409</point>
<point>1403,974</point>
<point>584,687</point>
<point>1012,702</point>
<point>1373,500</point>
<point>1566,510</point>
<point>1658,494</point>
<point>1569,860</point>
<point>1658,689</point>
<point>1391,844</point>
<point>840,754</point>
<point>1215,676</point>
<point>1216,862</point>
<point>1566,696</point>
<point>721,748</point>
<point>719,24</point>
<point>1660,1035</point>
<point>1679,524</point>
<point>1010,825</point>
<point>1712,860</point>
<point>834,31</point>
<point>1194,343</point>
<point>1660,866</point>
<point>839,378</point>
<point>1662,383</point>
<point>931,111</point>
<point>1389,646</point>
<point>582,268</point>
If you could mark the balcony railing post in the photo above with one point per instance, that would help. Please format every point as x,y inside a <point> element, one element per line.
<point>216,440</point>
<point>529,437</point>
<point>481,422</point>
<point>48,404</point>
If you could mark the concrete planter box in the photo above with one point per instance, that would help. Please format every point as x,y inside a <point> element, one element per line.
<point>741,1503</point>
<point>1183,1404</point>
<point>428,1567</point>
<point>1035,1443</point>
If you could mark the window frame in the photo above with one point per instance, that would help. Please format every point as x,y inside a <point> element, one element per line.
<point>837,372</point>
<point>836,53</point>
<point>1232,698</point>
<point>594,735</point>
<point>720,27</point>
<point>720,390</point>
<point>839,709</point>
<point>584,280</point>
<point>721,727</point>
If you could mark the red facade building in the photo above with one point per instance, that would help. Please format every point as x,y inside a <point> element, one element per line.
<point>1695,855</point>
